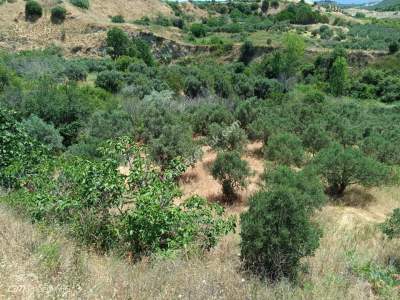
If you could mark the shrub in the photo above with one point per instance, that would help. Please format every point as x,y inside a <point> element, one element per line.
<point>305,182</point>
<point>178,22</point>
<point>58,14</point>
<point>223,86</point>
<point>198,30</point>
<point>359,15</point>
<point>275,4</point>
<point>393,47</point>
<point>80,3</point>
<point>247,52</point>
<point>339,77</point>
<point>4,78</point>
<point>341,167</point>
<point>231,171</point>
<point>315,138</point>
<point>118,42</point>
<point>111,81</point>
<point>264,87</point>
<point>325,32</point>
<point>391,227</point>
<point>192,86</point>
<point>207,114</point>
<point>276,232</point>
<point>19,152</point>
<point>44,133</point>
<point>33,10</point>
<point>285,148</point>
<point>75,71</point>
<point>117,19</point>
<point>264,6</point>
<point>175,141</point>
<point>143,51</point>
<point>383,148</point>
<point>231,138</point>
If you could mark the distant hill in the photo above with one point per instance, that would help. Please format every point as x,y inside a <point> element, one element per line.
<point>387,5</point>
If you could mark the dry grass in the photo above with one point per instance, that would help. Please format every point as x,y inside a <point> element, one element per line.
<point>42,263</point>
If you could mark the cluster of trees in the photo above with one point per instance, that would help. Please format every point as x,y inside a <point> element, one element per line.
<point>100,205</point>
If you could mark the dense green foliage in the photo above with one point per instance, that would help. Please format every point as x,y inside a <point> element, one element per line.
<point>81,3</point>
<point>341,167</point>
<point>231,171</point>
<point>33,10</point>
<point>117,19</point>
<point>103,207</point>
<point>276,232</point>
<point>58,14</point>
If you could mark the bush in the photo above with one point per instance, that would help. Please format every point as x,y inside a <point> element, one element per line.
<point>33,11</point>
<point>58,14</point>
<point>117,19</point>
<point>19,152</point>
<point>198,30</point>
<point>341,167</point>
<point>143,51</point>
<point>80,3</point>
<point>393,47</point>
<point>285,148</point>
<point>75,71</point>
<point>118,42</point>
<point>304,181</point>
<point>383,148</point>
<point>276,232</point>
<point>111,81</point>
<point>175,141</point>
<point>247,52</point>
<point>339,77</point>
<point>231,171</point>
<point>315,138</point>
<point>391,227</point>
<point>4,78</point>
<point>231,138</point>
<point>192,86</point>
<point>44,133</point>
<point>178,22</point>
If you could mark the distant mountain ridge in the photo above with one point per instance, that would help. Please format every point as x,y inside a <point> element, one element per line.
<point>387,5</point>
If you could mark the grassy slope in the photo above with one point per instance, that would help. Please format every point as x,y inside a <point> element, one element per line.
<point>37,262</point>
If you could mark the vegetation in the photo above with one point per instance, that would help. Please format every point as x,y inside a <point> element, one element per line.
<point>84,4</point>
<point>341,167</point>
<point>125,153</point>
<point>231,171</point>
<point>33,11</point>
<point>58,14</point>
<point>276,232</point>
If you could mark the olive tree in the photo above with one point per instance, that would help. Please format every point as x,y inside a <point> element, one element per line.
<point>285,148</point>
<point>231,171</point>
<point>341,167</point>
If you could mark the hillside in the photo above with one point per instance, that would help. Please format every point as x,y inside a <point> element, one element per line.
<point>387,5</point>
<point>218,150</point>
<point>83,30</point>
